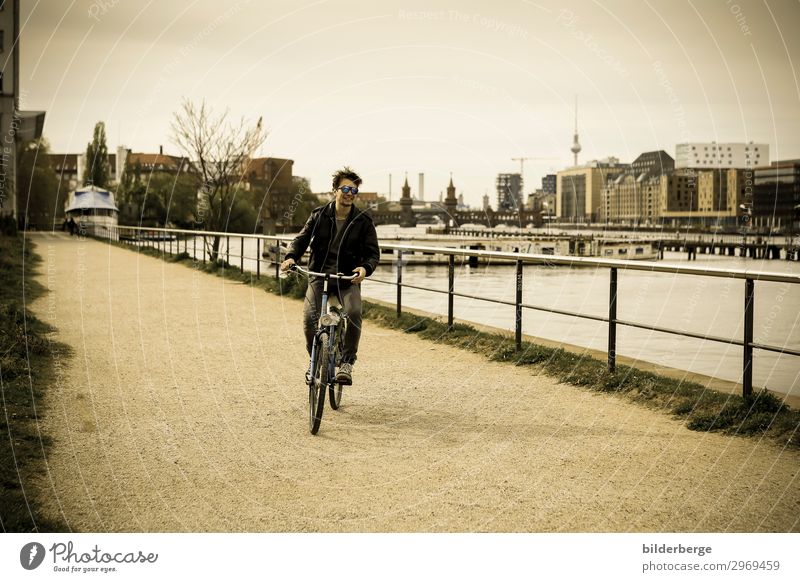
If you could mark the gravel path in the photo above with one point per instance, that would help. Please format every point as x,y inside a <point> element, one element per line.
<point>183,409</point>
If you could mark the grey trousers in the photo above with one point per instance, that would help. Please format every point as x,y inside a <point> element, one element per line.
<point>350,300</point>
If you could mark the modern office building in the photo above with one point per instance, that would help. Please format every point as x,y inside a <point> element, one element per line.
<point>709,155</point>
<point>776,195</point>
<point>579,189</point>
<point>549,184</point>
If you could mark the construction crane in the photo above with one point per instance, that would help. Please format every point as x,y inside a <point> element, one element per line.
<point>522,161</point>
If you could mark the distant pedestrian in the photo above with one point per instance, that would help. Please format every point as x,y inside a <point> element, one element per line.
<point>72,226</point>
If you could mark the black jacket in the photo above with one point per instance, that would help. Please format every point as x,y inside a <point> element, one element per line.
<point>358,247</point>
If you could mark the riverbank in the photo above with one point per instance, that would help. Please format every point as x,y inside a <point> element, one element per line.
<point>693,398</point>
<point>183,409</point>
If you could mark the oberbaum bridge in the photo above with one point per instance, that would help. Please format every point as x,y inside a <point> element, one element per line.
<point>753,245</point>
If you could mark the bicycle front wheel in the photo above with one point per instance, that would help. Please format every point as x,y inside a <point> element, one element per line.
<point>316,390</point>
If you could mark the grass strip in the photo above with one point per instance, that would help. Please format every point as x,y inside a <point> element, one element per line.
<point>28,360</point>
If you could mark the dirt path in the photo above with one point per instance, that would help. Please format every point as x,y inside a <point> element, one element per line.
<point>183,410</point>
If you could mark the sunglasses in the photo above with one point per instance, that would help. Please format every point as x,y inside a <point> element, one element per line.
<point>349,190</point>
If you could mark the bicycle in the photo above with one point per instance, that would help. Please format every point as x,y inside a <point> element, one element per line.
<point>326,351</point>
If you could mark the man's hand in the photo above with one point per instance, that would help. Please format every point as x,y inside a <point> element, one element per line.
<point>286,264</point>
<point>361,274</point>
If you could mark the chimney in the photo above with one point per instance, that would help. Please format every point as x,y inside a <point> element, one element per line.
<point>161,150</point>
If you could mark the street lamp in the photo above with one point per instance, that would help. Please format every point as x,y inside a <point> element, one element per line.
<point>747,218</point>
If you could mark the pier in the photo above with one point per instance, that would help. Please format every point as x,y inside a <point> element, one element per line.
<point>756,247</point>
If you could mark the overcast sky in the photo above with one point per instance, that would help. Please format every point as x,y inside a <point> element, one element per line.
<point>415,86</point>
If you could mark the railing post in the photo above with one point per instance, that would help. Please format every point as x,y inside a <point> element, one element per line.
<point>204,249</point>
<point>278,259</point>
<point>747,371</point>
<point>518,308</point>
<point>451,269</point>
<point>399,282</point>
<point>228,250</point>
<point>612,322</point>
<point>241,257</point>
<point>258,258</point>
<point>194,247</point>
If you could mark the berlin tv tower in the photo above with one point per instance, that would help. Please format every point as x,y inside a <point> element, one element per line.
<point>576,146</point>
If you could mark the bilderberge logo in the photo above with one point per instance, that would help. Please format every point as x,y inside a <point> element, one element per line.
<point>31,555</point>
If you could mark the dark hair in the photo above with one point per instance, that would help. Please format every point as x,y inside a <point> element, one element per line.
<point>345,173</point>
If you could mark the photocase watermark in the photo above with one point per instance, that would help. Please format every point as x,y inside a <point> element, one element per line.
<point>492,91</point>
<point>9,142</point>
<point>31,555</point>
<point>569,20</point>
<point>774,311</point>
<point>488,22</point>
<point>736,10</point>
<point>67,559</point>
<point>100,8</point>
<point>173,67</point>
<point>297,199</point>
<point>677,108</point>
<point>202,207</point>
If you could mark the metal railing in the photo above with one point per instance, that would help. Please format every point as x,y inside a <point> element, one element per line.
<point>519,260</point>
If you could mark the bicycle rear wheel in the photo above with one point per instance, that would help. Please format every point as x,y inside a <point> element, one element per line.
<point>316,390</point>
<point>335,393</point>
<point>334,388</point>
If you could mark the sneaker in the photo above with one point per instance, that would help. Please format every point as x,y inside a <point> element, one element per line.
<point>345,374</point>
<point>308,374</point>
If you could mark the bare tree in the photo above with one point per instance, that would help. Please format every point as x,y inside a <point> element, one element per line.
<point>220,151</point>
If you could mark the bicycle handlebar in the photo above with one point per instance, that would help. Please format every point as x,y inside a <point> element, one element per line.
<point>339,276</point>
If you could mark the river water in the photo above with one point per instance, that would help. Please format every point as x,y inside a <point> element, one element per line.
<point>704,305</point>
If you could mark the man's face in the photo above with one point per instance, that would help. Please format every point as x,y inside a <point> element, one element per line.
<point>345,200</point>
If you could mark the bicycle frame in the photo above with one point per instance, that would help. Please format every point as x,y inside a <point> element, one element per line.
<point>331,323</point>
<point>328,321</point>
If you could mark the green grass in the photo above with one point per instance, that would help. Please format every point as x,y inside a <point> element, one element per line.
<point>701,408</point>
<point>27,359</point>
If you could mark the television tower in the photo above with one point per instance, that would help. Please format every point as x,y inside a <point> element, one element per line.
<point>576,146</point>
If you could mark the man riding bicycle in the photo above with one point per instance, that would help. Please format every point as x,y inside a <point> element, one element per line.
<point>343,239</point>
